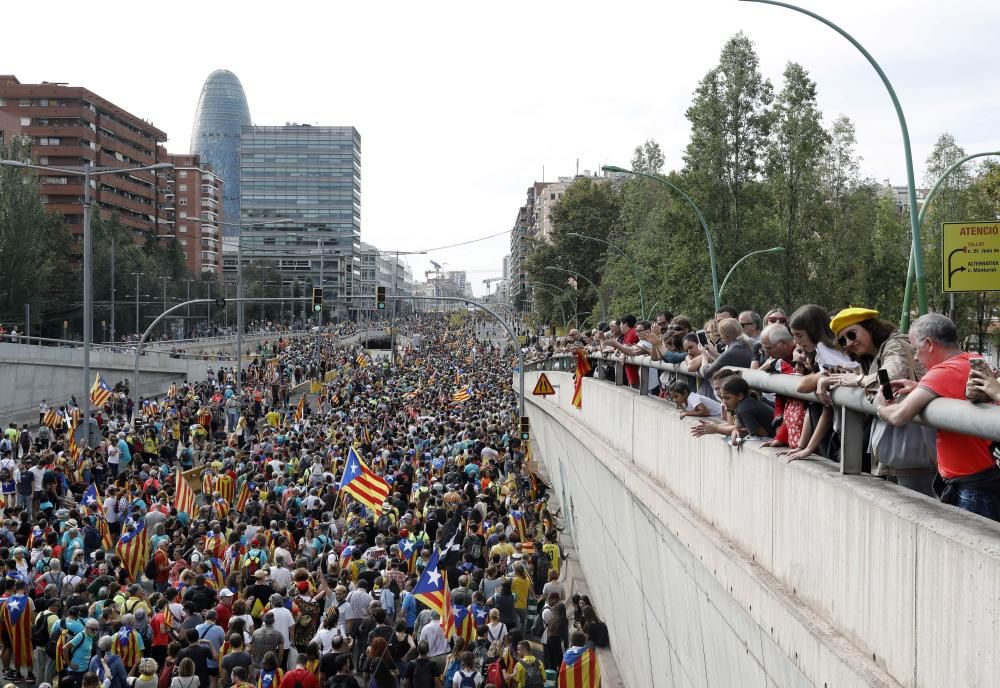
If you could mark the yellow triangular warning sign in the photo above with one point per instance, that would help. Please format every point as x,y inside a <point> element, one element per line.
<point>543,387</point>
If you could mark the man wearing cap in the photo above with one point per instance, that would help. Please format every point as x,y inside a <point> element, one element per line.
<point>82,649</point>
<point>224,610</point>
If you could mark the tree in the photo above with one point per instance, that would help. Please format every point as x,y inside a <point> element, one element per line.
<point>648,158</point>
<point>730,123</point>
<point>34,244</point>
<point>951,204</point>
<point>798,145</point>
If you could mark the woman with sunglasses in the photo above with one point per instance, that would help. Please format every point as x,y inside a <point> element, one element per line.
<point>876,344</point>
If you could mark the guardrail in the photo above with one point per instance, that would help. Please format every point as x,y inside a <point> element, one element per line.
<point>954,415</point>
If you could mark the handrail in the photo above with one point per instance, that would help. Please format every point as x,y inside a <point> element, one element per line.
<point>953,415</point>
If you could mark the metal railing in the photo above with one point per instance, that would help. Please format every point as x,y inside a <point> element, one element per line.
<point>954,415</point>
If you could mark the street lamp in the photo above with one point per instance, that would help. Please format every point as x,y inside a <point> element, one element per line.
<point>697,210</point>
<point>87,172</point>
<point>556,296</point>
<point>635,266</point>
<point>776,249</point>
<point>239,280</point>
<point>604,313</point>
<point>916,250</point>
<point>138,325</point>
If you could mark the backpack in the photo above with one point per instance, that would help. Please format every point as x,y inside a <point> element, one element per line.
<point>150,570</point>
<point>543,562</point>
<point>494,675</point>
<point>451,670</point>
<point>383,523</point>
<point>538,627</point>
<point>496,648</point>
<point>40,629</point>
<point>469,680</point>
<point>533,677</point>
<point>53,642</point>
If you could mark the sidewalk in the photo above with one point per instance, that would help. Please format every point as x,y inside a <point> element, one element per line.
<point>574,579</point>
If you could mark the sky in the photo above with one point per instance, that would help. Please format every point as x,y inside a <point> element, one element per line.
<point>462,106</point>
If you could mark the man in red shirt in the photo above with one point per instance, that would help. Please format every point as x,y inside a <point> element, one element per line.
<point>300,677</point>
<point>224,610</point>
<point>162,562</point>
<point>629,347</point>
<point>965,463</point>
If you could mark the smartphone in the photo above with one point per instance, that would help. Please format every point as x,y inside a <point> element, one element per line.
<point>883,380</point>
<point>702,338</point>
<point>980,365</point>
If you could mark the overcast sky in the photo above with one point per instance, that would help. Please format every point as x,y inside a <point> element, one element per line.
<point>461,105</point>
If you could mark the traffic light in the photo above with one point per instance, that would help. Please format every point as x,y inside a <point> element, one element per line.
<point>380,298</point>
<point>317,299</point>
<point>525,430</point>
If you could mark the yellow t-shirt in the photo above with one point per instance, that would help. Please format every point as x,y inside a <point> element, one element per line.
<point>272,418</point>
<point>504,549</point>
<point>552,550</point>
<point>521,587</point>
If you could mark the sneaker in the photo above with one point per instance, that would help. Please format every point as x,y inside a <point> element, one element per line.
<point>12,675</point>
<point>30,678</point>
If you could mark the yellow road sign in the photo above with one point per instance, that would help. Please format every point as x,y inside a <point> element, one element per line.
<point>543,387</point>
<point>970,256</point>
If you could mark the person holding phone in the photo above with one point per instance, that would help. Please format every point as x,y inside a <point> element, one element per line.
<point>876,345</point>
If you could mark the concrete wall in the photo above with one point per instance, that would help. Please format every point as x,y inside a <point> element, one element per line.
<point>718,567</point>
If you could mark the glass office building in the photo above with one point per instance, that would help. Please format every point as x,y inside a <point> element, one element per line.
<point>221,114</point>
<point>310,178</point>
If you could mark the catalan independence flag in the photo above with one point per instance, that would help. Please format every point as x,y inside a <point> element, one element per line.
<point>100,392</point>
<point>183,495</point>
<point>224,486</point>
<point>300,409</point>
<point>465,623</point>
<point>52,419</point>
<point>582,369</point>
<point>462,395</point>
<point>432,590</point>
<point>361,360</point>
<point>91,501</point>
<point>362,483</point>
<point>218,572</point>
<point>129,646</point>
<point>579,669</point>
<point>17,615</point>
<point>105,530</point>
<point>517,520</point>
<point>243,498</point>
<point>409,550</point>
<point>133,548</point>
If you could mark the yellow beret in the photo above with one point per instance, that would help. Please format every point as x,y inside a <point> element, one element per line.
<point>851,316</point>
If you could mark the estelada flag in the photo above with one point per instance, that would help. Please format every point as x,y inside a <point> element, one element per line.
<point>579,669</point>
<point>183,495</point>
<point>582,369</point>
<point>17,616</point>
<point>465,623</point>
<point>362,483</point>
<point>133,548</point>
<point>224,486</point>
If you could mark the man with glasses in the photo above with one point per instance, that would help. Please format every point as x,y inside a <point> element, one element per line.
<point>971,478</point>
<point>752,325</point>
<point>82,648</point>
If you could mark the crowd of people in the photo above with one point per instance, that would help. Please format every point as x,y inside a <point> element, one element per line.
<point>388,530</point>
<point>898,373</point>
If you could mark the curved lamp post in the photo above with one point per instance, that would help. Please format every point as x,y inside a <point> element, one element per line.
<point>904,320</point>
<point>558,299</point>
<point>916,253</point>
<point>776,249</point>
<point>635,266</point>
<point>697,210</point>
<point>604,313</point>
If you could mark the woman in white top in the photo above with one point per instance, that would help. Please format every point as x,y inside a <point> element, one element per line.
<point>495,629</point>
<point>325,635</point>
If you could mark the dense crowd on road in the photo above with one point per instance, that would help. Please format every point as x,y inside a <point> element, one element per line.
<point>850,349</point>
<point>332,519</point>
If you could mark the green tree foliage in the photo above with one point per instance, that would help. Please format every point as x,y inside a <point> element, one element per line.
<point>797,148</point>
<point>34,245</point>
<point>587,207</point>
<point>765,172</point>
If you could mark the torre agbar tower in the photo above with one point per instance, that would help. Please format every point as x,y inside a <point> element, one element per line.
<point>222,110</point>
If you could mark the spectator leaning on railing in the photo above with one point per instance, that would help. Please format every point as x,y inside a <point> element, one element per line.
<point>901,455</point>
<point>738,351</point>
<point>969,477</point>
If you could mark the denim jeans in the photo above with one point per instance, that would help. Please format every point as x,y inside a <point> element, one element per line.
<point>978,502</point>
